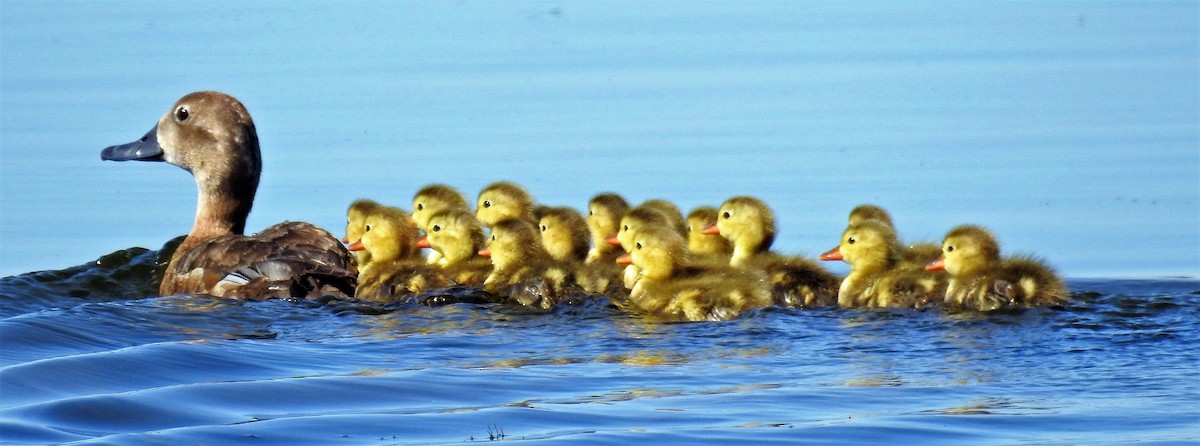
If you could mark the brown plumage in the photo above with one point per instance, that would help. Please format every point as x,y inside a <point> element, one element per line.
<point>877,276</point>
<point>981,280</point>
<point>212,136</point>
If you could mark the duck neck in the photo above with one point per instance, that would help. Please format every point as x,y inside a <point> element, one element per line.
<point>226,195</point>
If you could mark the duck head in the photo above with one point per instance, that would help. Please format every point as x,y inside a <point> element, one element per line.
<point>637,219</point>
<point>868,245</point>
<point>748,223</point>
<point>512,243</point>
<point>870,212</point>
<point>967,250</point>
<point>604,217</point>
<point>502,201</point>
<point>455,234</point>
<point>701,242</point>
<point>211,135</point>
<point>657,252</point>
<point>388,235</point>
<point>564,234</point>
<point>355,216</point>
<point>435,198</point>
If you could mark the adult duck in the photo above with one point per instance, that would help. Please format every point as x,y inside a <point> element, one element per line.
<point>981,280</point>
<point>877,276</point>
<point>211,135</point>
<point>749,224</point>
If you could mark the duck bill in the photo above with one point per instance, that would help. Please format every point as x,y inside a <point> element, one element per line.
<point>612,240</point>
<point>346,240</point>
<point>937,265</point>
<point>625,259</point>
<point>711,230</point>
<point>356,246</point>
<point>144,149</point>
<point>832,254</point>
<point>485,252</point>
<point>423,242</point>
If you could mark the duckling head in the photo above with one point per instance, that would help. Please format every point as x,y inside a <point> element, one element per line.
<point>748,223</point>
<point>514,242</point>
<point>455,234</point>
<point>869,245</point>
<point>604,217</point>
<point>967,250</point>
<point>700,242</point>
<point>564,234</point>
<point>637,219</point>
<point>870,212</point>
<point>388,235</point>
<point>502,201</point>
<point>434,198</point>
<point>670,211</point>
<point>355,217</point>
<point>657,251</point>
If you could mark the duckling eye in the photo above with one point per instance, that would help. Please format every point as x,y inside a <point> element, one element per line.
<point>725,215</point>
<point>625,228</point>
<point>487,203</point>
<point>368,228</point>
<point>437,228</point>
<point>420,206</point>
<point>543,228</point>
<point>950,248</point>
<point>181,113</point>
<point>851,240</point>
<point>639,245</point>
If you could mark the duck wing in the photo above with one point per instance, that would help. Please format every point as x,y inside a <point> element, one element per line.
<point>290,259</point>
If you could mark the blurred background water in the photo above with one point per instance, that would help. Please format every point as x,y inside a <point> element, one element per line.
<point>1069,128</point>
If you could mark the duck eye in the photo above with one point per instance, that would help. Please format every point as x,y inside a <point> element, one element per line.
<point>368,228</point>
<point>543,228</point>
<point>181,113</point>
<point>950,248</point>
<point>625,228</point>
<point>851,240</point>
<point>437,228</point>
<point>725,215</point>
<point>420,206</point>
<point>639,245</point>
<point>487,203</point>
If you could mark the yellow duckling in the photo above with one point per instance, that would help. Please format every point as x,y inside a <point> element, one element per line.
<point>522,270</point>
<point>670,288</point>
<point>565,237</point>
<point>354,226</point>
<point>670,211</point>
<point>395,269</point>
<point>503,201</point>
<point>877,276</point>
<point>637,219</point>
<point>704,244</point>
<point>603,219</point>
<point>981,280</point>
<point>434,198</point>
<point>916,254</point>
<point>749,224</point>
<point>457,237</point>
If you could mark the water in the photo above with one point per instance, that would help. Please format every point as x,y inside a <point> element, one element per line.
<point>1070,129</point>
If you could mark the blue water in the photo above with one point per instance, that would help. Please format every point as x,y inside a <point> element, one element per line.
<point>1071,129</point>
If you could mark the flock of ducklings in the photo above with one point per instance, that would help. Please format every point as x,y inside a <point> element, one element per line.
<point>712,265</point>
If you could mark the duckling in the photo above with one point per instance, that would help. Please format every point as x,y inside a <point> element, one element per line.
<point>434,198</point>
<point>912,255</point>
<point>502,201</point>
<point>457,237</point>
<point>671,288</point>
<point>211,135</point>
<point>749,225</point>
<point>637,218</point>
<point>701,243</point>
<point>981,280</point>
<point>522,270</point>
<point>395,270</point>
<point>565,237</point>
<point>603,219</point>
<point>877,276</point>
<point>674,215</point>
<point>354,226</point>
